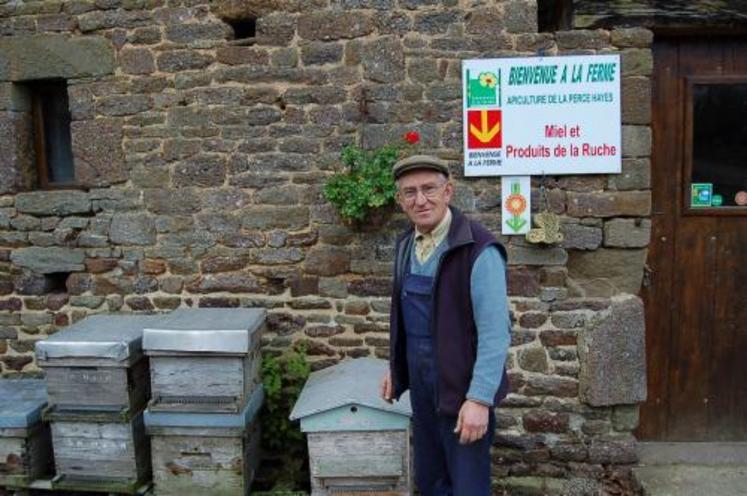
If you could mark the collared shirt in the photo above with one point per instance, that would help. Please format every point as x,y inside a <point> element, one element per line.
<point>426,243</point>
<point>490,310</point>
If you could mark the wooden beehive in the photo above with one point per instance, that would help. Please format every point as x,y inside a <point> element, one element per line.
<point>99,451</point>
<point>205,453</point>
<point>204,360</point>
<point>25,444</point>
<point>97,364</point>
<point>358,443</point>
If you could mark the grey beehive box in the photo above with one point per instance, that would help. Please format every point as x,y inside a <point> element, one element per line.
<point>25,444</point>
<point>204,359</point>
<point>97,364</point>
<point>195,454</point>
<point>358,443</point>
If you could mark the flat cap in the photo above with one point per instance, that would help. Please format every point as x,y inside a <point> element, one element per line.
<point>420,162</point>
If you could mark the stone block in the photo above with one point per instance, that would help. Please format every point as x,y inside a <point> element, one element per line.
<point>520,16</point>
<point>636,100</point>
<point>544,421</point>
<point>334,25</point>
<point>485,20</point>
<point>580,237</point>
<point>182,60</point>
<point>132,229</point>
<point>631,37</point>
<point>533,359</point>
<point>137,61</point>
<point>616,450</point>
<point>436,22</point>
<point>53,203</point>
<point>202,171</point>
<point>609,204</point>
<point>108,19</point>
<point>627,233</point>
<point>612,355</point>
<point>17,171</point>
<point>536,255</point>
<point>395,22</point>
<point>636,174</point>
<point>606,272</point>
<point>582,39</point>
<point>383,60</point>
<point>171,202</point>
<point>47,260</point>
<point>261,217</point>
<point>637,62</point>
<point>276,29</point>
<point>188,33</point>
<point>317,53</point>
<point>327,260</point>
<point>636,141</point>
<point>239,55</point>
<point>50,56</point>
<point>97,151</point>
<point>236,282</point>
<point>523,282</point>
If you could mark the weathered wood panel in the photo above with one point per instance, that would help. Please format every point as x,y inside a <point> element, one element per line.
<point>25,454</point>
<point>197,465</point>
<point>359,461</point>
<point>71,387</point>
<point>194,383</point>
<point>101,450</point>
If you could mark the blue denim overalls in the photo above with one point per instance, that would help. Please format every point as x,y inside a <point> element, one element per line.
<point>443,467</point>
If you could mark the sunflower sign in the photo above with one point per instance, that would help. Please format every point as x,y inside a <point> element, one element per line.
<point>516,206</point>
<point>483,89</point>
<point>542,115</point>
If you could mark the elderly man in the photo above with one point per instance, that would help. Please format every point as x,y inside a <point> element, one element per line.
<point>449,332</point>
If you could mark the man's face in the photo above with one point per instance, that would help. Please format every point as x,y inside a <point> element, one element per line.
<point>424,196</point>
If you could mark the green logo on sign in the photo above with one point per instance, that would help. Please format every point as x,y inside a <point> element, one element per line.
<point>701,194</point>
<point>484,89</point>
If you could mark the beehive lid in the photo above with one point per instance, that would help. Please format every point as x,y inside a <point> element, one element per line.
<point>210,420</point>
<point>354,382</point>
<point>209,330</point>
<point>21,402</point>
<point>115,337</point>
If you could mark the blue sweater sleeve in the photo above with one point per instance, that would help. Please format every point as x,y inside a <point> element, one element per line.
<point>490,309</point>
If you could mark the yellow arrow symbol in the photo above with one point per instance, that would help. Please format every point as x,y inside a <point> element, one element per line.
<point>485,133</point>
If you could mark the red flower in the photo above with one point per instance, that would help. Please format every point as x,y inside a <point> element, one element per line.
<point>412,137</point>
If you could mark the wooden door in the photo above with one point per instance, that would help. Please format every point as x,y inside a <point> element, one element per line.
<point>695,291</point>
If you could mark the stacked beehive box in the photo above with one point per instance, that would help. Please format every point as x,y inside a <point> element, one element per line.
<point>25,444</point>
<point>358,443</point>
<point>202,418</point>
<point>98,386</point>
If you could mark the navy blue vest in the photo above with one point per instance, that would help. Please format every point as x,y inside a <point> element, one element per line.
<point>453,324</point>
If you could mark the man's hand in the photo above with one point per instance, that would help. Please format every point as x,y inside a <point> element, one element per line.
<point>386,388</point>
<point>472,423</point>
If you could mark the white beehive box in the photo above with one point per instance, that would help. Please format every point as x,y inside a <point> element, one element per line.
<point>358,443</point>
<point>25,444</point>
<point>195,454</point>
<point>97,364</point>
<point>204,360</point>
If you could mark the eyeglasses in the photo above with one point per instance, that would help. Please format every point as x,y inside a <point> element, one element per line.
<point>429,191</point>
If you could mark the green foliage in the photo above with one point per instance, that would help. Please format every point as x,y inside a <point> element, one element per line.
<point>366,182</point>
<point>283,378</point>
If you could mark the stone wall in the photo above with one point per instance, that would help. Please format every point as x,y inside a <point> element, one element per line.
<point>204,159</point>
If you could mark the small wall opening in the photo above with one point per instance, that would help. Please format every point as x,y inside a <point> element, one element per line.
<point>243,28</point>
<point>554,15</point>
<point>56,282</point>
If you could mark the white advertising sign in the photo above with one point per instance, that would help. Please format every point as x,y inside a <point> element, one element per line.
<point>542,115</point>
